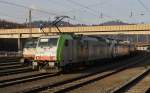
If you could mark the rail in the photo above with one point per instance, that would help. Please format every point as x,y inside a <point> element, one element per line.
<point>10,54</point>
<point>131,82</point>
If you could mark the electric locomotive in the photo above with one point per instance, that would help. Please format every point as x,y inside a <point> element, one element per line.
<point>63,50</point>
<point>59,51</point>
<point>29,50</point>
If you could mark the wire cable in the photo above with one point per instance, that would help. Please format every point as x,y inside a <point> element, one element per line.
<point>143,5</point>
<point>94,12</point>
<point>83,6</point>
<point>18,5</point>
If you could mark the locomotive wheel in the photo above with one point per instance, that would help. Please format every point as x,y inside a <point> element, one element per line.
<point>22,60</point>
<point>27,62</point>
<point>35,67</point>
<point>42,70</point>
<point>53,70</point>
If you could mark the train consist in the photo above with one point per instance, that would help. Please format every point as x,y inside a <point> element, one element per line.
<point>29,51</point>
<point>63,50</point>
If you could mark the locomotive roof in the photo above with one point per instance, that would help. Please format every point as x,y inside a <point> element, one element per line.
<point>100,38</point>
<point>89,38</point>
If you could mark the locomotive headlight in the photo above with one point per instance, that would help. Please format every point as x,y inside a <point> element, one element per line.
<point>36,57</point>
<point>51,64</point>
<point>34,63</point>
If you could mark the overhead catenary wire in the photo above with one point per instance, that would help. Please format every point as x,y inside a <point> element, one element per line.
<point>83,6</point>
<point>94,12</point>
<point>91,11</point>
<point>6,15</point>
<point>91,5</point>
<point>97,4</point>
<point>79,10</point>
<point>26,7</point>
<point>29,8</point>
<point>143,5</point>
<point>12,18</point>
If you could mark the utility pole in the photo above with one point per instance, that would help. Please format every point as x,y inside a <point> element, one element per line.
<point>30,24</point>
<point>131,15</point>
<point>101,17</point>
<point>26,24</point>
<point>49,24</point>
<point>19,43</point>
<point>137,38</point>
<point>68,23</point>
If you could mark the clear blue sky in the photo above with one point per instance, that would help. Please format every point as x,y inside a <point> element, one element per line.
<point>85,11</point>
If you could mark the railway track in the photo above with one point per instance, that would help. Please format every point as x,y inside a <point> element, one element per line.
<point>9,60</point>
<point>148,91</point>
<point>69,86</point>
<point>12,66</point>
<point>15,71</point>
<point>23,79</point>
<point>8,63</point>
<point>91,78</point>
<point>138,84</point>
<point>107,84</point>
<point>9,66</point>
<point>33,82</point>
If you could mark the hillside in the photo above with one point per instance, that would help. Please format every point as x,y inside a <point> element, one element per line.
<point>36,24</point>
<point>114,23</point>
<point>9,25</point>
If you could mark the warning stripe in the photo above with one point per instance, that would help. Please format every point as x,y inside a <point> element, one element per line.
<point>47,58</point>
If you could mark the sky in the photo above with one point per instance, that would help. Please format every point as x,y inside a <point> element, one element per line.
<point>81,11</point>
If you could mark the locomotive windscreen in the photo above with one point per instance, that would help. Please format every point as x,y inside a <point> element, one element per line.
<point>45,42</point>
<point>30,44</point>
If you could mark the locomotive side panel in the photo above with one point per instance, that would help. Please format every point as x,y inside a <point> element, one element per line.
<point>66,53</point>
<point>75,51</point>
<point>122,50</point>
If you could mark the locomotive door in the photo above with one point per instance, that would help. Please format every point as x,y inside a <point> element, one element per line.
<point>79,50</point>
<point>69,50</point>
<point>70,54</point>
<point>86,50</point>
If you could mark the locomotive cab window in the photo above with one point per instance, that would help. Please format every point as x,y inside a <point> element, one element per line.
<point>30,44</point>
<point>46,42</point>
